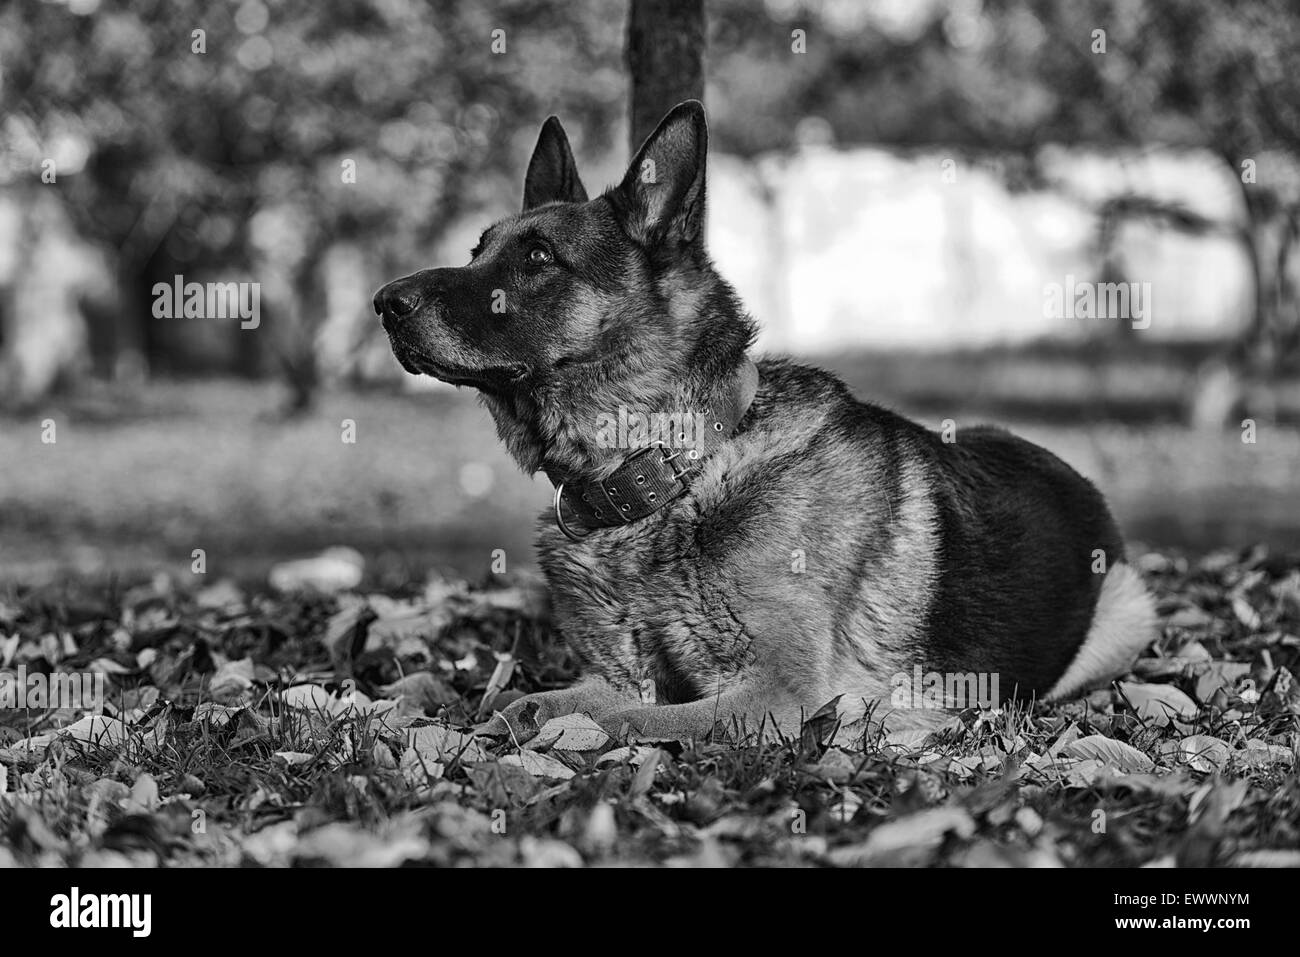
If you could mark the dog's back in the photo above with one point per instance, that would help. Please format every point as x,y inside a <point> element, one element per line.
<point>985,554</point>
<point>1027,542</point>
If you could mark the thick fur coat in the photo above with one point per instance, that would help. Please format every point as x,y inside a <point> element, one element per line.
<point>827,549</point>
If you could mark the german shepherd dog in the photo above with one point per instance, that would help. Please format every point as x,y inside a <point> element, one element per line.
<point>807,546</point>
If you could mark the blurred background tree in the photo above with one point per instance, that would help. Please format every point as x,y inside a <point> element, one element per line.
<point>187,132</point>
<point>220,134</point>
<point>665,61</point>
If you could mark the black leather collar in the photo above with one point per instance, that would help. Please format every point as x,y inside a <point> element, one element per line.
<point>652,477</point>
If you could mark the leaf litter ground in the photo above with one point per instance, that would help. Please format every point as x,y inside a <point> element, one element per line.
<point>316,723</point>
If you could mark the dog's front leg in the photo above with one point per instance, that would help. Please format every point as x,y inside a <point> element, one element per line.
<point>522,719</point>
<point>743,710</point>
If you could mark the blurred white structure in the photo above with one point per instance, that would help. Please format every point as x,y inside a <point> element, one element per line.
<point>47,274</point>
<point>839,249</point>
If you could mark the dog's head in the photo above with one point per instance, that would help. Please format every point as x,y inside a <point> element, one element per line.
<point>569,281</point>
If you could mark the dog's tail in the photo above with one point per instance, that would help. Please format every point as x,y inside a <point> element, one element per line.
<point>1123,624</point>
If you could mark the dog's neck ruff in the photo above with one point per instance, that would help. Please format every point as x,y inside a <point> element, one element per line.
<point>656,475</point>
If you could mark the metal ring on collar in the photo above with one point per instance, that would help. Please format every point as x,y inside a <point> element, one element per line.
<point>559,517</point>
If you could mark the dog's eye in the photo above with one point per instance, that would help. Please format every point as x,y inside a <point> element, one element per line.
<point>539,256</point>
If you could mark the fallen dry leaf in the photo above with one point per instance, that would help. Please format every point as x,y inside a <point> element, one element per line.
<point>143,798</point>
<point>538,765</point>
<point>1159,704</point>
<point>1110,752</point>
<point>909,839</point>
<point>423,688</point>
<point>438,743</point>
<point>570,732</point>
<point>292,758</point>
<point>1204,753</point>
<point>97,730</point>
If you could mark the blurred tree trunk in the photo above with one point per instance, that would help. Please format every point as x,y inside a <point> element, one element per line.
<point>155,339</point>
<point>1229,386</point>
<point>665,57</point>
<point>296,322</point>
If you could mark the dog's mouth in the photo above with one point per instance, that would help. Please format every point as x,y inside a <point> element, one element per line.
<point>418,362</point>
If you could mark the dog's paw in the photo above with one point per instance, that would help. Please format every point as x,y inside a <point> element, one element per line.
<point>520,721</point>
<point>641,724</point>
<point>615,725</point>
<point>660,724</point>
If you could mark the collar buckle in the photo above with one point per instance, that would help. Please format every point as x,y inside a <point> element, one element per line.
<point>630,495</point>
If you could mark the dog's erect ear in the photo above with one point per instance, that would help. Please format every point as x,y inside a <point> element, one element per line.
<point>552,174</point>
<point>661,199</point>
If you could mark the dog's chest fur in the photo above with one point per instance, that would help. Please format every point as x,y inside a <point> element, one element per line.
<point>644,603</point>
<point>807,541</point>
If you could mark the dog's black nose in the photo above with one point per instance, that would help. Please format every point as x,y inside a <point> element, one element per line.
<point>396,300</point>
